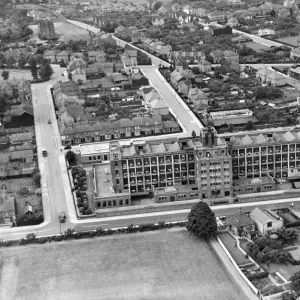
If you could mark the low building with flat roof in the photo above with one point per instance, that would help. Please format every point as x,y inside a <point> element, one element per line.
<point>266,220</point>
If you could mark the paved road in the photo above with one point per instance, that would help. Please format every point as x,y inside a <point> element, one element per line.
<point>255,38</point>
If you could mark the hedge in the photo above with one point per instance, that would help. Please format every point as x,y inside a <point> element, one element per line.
<point>77,235</point>
<point>259,275</point>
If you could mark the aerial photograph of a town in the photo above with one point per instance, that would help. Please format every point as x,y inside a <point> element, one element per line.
<point>149,150</point>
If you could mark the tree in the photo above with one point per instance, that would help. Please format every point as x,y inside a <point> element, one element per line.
<point>39,58</point>
<point>37,179</point>
<point>22,61</point>
<point>157,5</point>
<point>5,75</point>
<point>286,235</point>
<point>202,221</point>
<point>33,68</point>
<point>71,157</point>
<point>30,237</point>
<point>230,128</point>
<point>195,70</point>
<point>45,71</point>
<point>2,59</point>
<point>249,125</point>
<point>11,62</point>
<point>295,279</point>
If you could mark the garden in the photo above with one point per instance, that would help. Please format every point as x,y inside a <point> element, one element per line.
<point>80,187</point>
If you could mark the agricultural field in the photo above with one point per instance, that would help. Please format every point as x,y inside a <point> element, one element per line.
<point>65,31</point>
<point>168,264</point>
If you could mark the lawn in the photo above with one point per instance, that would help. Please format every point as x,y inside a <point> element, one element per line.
<point>65,31</point>
<point>256,46</point>
<point>168,264</point>
<point>290,40</point>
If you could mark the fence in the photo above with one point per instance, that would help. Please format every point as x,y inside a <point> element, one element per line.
<point>253,288</point>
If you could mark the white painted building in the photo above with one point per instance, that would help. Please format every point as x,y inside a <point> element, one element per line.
<point>266,220</point>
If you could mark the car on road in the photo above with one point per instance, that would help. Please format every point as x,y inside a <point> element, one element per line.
<point>62,217</point>
<point>44,152</point>
<point>68,147</point>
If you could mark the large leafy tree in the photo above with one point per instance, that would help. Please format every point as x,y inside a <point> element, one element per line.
<point>46,71</point>
<point>5,75</point>
<point>202,221</point>
<point>11,61</point>
<point>295,279</point>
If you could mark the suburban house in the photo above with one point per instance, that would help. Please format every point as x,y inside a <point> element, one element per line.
<point>264,32</point>
<point>197,97</point>
<point>271,77</point>
<point>157,104</point>
<point>266,220</point>
<point>19,116</point>
<point>217,56</point>
<point>97,56</point>
<point>295,53</point>
<point>231,57</point>
<point>163,49</point>
<point>233,22</point>
<point>204,66</point>
<point>158,21</point>
<point>130,65</point>
<point>241,224</point>
<point>129,54</point>
<point>78,76</point>
<point>175,78</point>
<point>76,63</point>
<point>63,56</point>
<point>51,55</point>
<point>138,37</point>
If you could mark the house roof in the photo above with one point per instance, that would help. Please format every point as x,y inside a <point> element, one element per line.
<point>264,217</point>
<point>239,219</point>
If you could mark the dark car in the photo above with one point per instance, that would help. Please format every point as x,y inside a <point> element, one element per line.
<point>62,217</point>
<point>68,147</point>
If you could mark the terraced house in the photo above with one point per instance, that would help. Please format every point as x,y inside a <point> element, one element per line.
<point>94,131</point>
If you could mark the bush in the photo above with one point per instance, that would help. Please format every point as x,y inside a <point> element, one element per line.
<point>5,244</point>
<point>259,275</point>
<point>57,238</point>
<point>92,233</point>
<point>109,231</point>
<point>77,235</point>
<point>42,240</point>
<point>22,242</point>
<point>146,227</point>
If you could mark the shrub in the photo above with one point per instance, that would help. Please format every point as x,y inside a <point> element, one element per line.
<point>5,244</point>
<point>58,238</point>
<point>30,237</point>
<point>259,275</point>
<point>23,242</point>
<point>145,227</point>
<point>92,233</point>
<point>109,231</point>
<point>42,240</point>
<point>77,235</point>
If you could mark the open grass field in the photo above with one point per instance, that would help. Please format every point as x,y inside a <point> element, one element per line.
<point>290,40</point>
<point>256,46</point>
<point>157,265</point>
<point>65,31</point>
